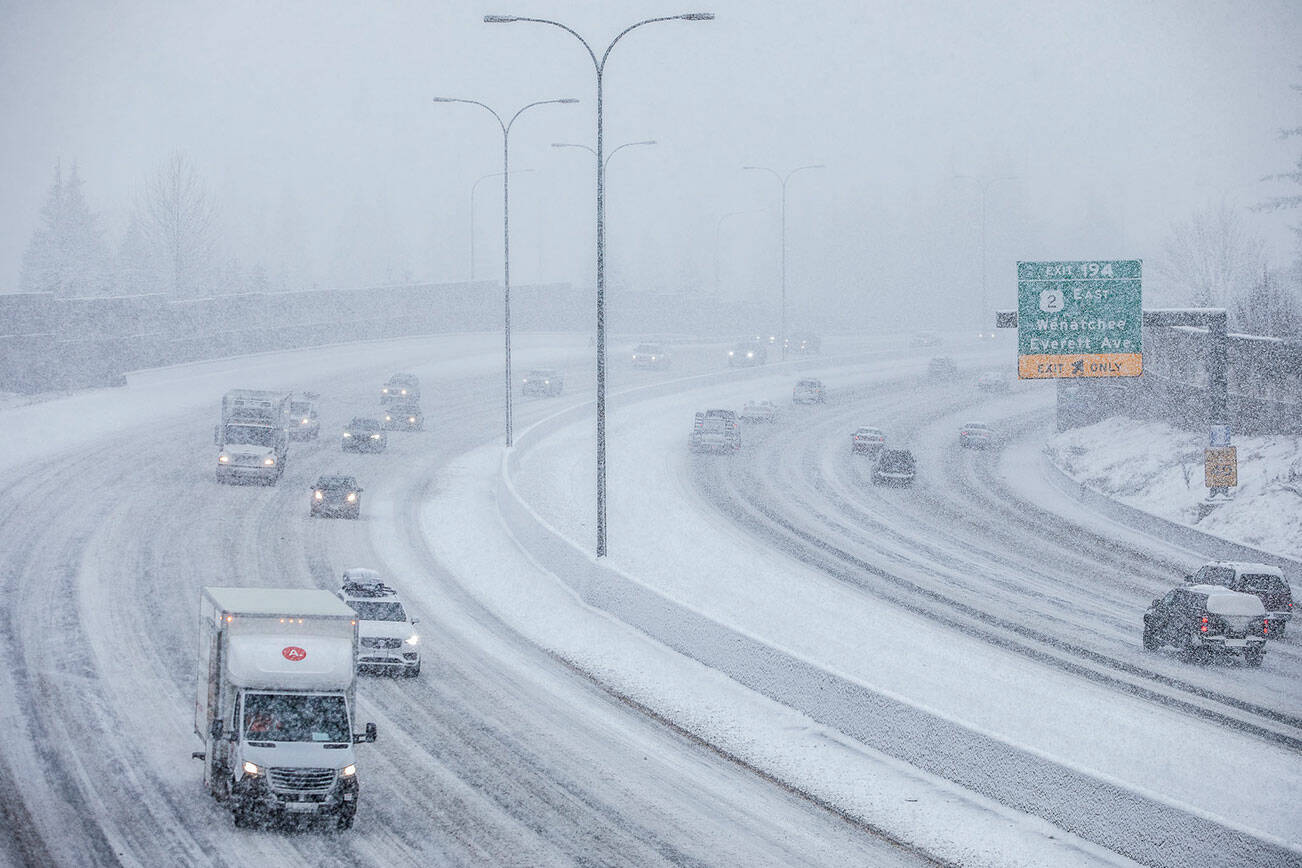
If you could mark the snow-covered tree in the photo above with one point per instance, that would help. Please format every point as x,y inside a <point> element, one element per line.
<point>66,255</point>
<point>1210,259</point>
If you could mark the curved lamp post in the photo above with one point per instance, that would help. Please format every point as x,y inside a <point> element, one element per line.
<point>506,223</point>
<point>600,66</point>
<point>474,187</point>
<point>782,180</point>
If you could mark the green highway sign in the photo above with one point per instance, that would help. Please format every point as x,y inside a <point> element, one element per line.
<point>1079,319</point>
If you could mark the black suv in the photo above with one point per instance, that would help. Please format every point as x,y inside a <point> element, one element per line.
<point>894,467</point>
<point>336,495</point>
<point>1263,581</point>
<point>1197,619</point>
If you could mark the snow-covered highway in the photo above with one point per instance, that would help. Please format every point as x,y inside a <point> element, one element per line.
<point>543,729</point>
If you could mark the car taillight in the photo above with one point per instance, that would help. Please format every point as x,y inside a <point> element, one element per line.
<point>1203,625</point>
<point>1265,626</point>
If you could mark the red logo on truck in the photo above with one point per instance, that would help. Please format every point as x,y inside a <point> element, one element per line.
<point>293,652</point>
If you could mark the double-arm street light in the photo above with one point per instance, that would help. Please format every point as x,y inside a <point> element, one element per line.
<point>986,325</point>
<point>600,66</point>
<point>473,188</point>
<point>506,224</point>
<point>612,154</point>
<point>782,180</point>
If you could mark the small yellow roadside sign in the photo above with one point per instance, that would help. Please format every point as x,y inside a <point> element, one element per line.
<point>1222,467</point>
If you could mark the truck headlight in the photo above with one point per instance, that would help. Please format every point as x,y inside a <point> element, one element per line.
<point>413,639</point>
<point>223,459</point>
<point>347,771</point>
<point>352,496</point>
<point>269,461</point>
<point>252,769</point>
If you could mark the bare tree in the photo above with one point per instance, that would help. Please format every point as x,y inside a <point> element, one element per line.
<point>178,218</point>
<point>1211,259</point>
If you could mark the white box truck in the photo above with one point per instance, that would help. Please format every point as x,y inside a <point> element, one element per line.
<point>275,703</point>
<point>253,436</point>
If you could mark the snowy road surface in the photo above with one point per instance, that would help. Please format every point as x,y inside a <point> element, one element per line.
<point>504,751</point>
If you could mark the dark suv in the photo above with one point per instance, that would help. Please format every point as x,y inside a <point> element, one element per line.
<point>1201,618</point>
<point>1263,581</point>
<point>894,467</point>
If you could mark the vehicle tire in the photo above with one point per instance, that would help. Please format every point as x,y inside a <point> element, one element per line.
<point>1150,640</point>
<point>1253,656</point>
<point>345,818</point>
<point>242,814</point>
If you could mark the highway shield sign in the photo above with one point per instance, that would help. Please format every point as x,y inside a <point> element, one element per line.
<point>1079,319</point>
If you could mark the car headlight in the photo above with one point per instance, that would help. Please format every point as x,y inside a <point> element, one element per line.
<point>388,418</point>
<point>384,391</point>
<point>252,769</point>
<point>375,436</point>
<point>305,421</point>
<point>269,461</point>
<point>352,497</point>
<point>347,434</point>
<point>404,391</point>
<point>413,639</point>
<point>319,494</point>
<point>347,771</point>
<point>411,419</point>
<point>223,458</point>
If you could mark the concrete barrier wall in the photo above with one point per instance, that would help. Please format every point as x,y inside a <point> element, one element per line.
<point>1121,819</point>
<point>1214,547</point>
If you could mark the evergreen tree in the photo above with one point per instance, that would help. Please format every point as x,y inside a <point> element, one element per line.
<point>66,255</point>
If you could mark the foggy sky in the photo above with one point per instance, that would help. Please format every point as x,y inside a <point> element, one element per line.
<point>313,126</point>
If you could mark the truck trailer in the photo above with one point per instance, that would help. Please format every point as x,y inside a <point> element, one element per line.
<point>253,436</point>
<point>275,703</point>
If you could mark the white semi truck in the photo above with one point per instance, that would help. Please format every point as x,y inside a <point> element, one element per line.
<point>253,436</point>
<point>275,703</point>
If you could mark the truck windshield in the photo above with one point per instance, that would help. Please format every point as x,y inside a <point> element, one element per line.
<point>378,611</point>
<point>295,717</point>
<point>251,435</point>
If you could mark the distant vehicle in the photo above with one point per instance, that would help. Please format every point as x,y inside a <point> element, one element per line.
<point>994,381</point>
<point>336,495</point>
<point>925,338</point>
<point>400,387</point>
<point>1263,581</point>
<point>942,368</point>
<point>894,467</point>
<point>809,391</point>
<point>868,441</point>
<point>803,343</point>
<point>716,431</point>
<point>404,417</point>
<point>275,703</point>
<point>253,437</point>
<point>1199,619</point>
<point>364,435</point>
<point>386,632</point>
<point>975,435</point>
<point>543,381</point>
<point>650,356</point>
<point>985,334</point>
<point>759,411</point>
<point>747,353</point>
<point>306,425</point>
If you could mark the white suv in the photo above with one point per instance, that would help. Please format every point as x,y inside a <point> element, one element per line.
<point>386,634</point>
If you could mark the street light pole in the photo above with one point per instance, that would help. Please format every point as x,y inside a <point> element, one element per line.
<point>473,188</point>
<point>782,180</point>
<point>609,156</point>
<point>985,185</point>
<point>506,225</point>
<point>600,66</point>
